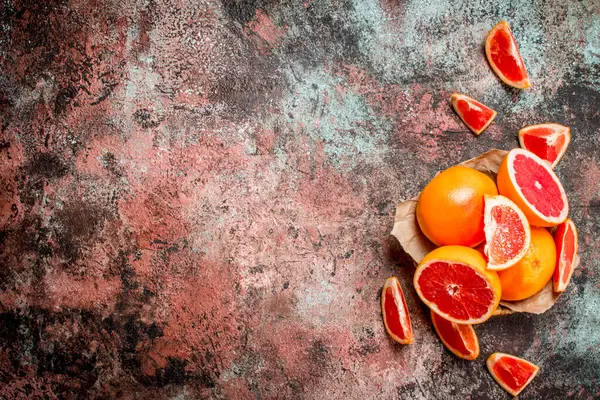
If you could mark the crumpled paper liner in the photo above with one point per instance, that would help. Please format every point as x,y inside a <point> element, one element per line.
<point>408,233</point>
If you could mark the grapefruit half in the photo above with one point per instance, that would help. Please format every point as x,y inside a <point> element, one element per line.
<point>547,141</point>
<point>565,238</point>
<point>475,115</point>
<point>512,373</point>
<point>395,312</point>
<point>460,339</point>
<point>529,181</point>
<point>504,57</point>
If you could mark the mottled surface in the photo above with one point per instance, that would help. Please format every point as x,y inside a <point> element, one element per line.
<point>196,196</point>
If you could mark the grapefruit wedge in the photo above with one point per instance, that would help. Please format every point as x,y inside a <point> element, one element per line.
<point>548,141</point>
<point>395,312</point>
<point>460,339</point>
<point>454,283</point>
<point>529,181</point>
<point>504,57</point>
<point>507,232</point>
<point>512,373</point>
<point>565,238</point>
<point>475,115</point>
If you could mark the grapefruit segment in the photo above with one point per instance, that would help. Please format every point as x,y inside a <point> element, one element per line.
<point>529,181</point>
<point>503,54</point>
<point>565,239</point>
<point>460,339</point>
<point>512,373</point>
<point>453,281</point>
<point>547,141</point>
<point>475,115</point>
<point>395,312</point>
<point>507,233</point>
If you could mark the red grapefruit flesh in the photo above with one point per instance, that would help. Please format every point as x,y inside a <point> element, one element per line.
<point>565,238</point>
<point>460,339</point>
<point>529,181</point>
<point>512,373</point>
<point>475,115</point>
<point>548,141</point>
<point>395,312</point>
<point>504,57</point>
<point>453,281</point>
<point>507,233</point>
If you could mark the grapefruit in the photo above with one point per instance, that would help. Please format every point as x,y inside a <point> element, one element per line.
<point>450,208</point>
<point>529,181</point>
<point>507,233</point>
<point>533,271</point>
<point>512,373</point>
<point>454,283</point>
<point>565,239</point>
<point>475,115</point>
<point>460,339</point>
<point>547,141</point>
<point>503,54</point>
<point>395,312</point>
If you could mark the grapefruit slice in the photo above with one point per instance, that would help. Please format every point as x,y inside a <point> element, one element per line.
<point>548,141</point>
<point>565,238</point>
<point>529,181</point>
<point>504,57</point>
<point>460,339</point>
<point>454,283</point>
<point>395,312</point>
<point>512,373</point>
<point>507,232</point>
<point>475,115</point>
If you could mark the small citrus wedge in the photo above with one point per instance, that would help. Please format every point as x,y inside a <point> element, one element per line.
<point>512,373</point>
<point>453,281</point>
<point>475,115</point>
<point>565,239</point>
<point>395,312</point>
<point>507,232</point>
<point>504,57</point>
<point>529,181</point>
<point>460,339</point>
<point>547,141</point>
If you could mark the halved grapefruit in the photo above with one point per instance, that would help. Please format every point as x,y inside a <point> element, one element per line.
<point>507,232</point>
<point>460,339</point>
<point>504,57</point>
<point>548,141</point>
<point>529,181</point>
<point>395,312</point>
<point>475,115</point>
<point>454,283</point>
<point>512,373</point>
<point>565,238</point>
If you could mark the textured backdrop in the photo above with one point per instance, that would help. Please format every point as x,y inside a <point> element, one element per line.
<point>196,196</point>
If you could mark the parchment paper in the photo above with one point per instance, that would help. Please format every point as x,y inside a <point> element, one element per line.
<point>406,230</point>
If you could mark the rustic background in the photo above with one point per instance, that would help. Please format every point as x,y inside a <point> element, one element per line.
<point>196,196</point>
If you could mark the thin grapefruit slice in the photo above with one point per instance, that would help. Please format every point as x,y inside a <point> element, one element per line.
<point>453,281</point>
<point>475,115</point>
<point>529,181</point>
<point>460,339</point>
<point>395,312</point>
<point>548,141</point>
<point>504,57</point>
<point>507,232</point>
<point>565,238</point>
<point>512,373</point>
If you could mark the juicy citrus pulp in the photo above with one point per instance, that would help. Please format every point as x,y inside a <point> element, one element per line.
<point>527,180</point>
<point>450,208</point>
<point>475,115</point>
<point>547,141</point>
<point>395,312</point>
<point>512,373</point>
<point>454,283</point>
<point>507,233</point>
<point>460,339</point>
<point>504,57</point>
<point>565,239</point>
<point>530,275</point>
